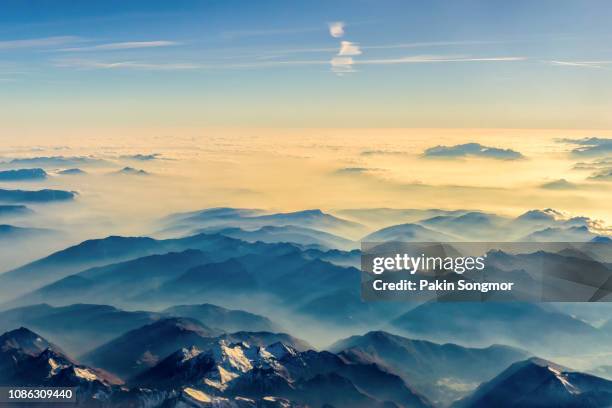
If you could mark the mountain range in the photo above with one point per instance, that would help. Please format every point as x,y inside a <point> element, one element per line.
<point>23,174</point>
<point>226,311</point>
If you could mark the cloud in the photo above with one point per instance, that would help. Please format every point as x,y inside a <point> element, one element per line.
<point>342,65</point>
<point>581,64</point>
<point>472,149</point>
<point>590,146</point>
<point>561,184</point>
<point>336,29</point>
<point>416,59</point>
<point>93,64</point>
<point>381,152</point>
<point>122,46</point>
<point>348,48</point>
<point>38,42</point>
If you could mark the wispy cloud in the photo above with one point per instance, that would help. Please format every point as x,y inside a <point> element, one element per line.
<point>91,64</point>
<point>336,29</point>
<point>129,45</point>
<point>38,42</point>
<point>426,44</point>
<point>339,64</point>
<point>436,58</point>
<point>581,64</point>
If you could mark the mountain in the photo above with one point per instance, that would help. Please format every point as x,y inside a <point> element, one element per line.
<point>72,172</point>
<point>309,378</point>
<point>288,233</point>
<point>316,219</point>
<point>539,217</point>
<point>384,217</point>
<point>14,210</point>
<point>11,232</point>
<point>131,171</point>
<point>345,307</point>
<point>94,253</point>
<point>78,327</point>
<point>436,370</point>
<point>123,280</point>
<point>408,233</point>
<point>58,161</point>
<point>224,319</point>
<point>542,384</point>
<point>38,196</point>
<point>142,348</point>
<point>65,262</point>
<point>472,225</point>
<point>18,345</point>
<point>211,215</point>
<point>23,174</point>
<point>26,359</point>
<point>558,234</point>
<point>263,339</point>
<point>253,219</point>
<point>526,325</point>
<point>279,270</point>
<point>217,277</point>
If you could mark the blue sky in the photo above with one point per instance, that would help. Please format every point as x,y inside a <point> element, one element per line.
<point>462,63</point>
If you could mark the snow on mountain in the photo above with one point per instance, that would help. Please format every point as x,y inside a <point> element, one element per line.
<point>537,383</point>
<point>278,372</point>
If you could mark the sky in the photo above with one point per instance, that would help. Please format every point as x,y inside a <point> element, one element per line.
<point>316,64</point>
<point>499,106</point>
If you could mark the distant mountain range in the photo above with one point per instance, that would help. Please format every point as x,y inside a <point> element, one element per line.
<point>142,316</point>
<point>14,210</point>
<point>75,171</point>
<point>250,371</point>
<point>224,319</point>
<point>533,327</point>
<point>442,372</point>
<point>256,219</point>
<point>131,171</point>
<point>57,161</point>
<point>288,233</point>
<point>81,327</point>
<point>38,196</point>
<point>23,174</point>
<point>12,233</point>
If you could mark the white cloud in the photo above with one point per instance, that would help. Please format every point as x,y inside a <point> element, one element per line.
<point>90,64</point>
<point>342,65</point>
<point>336,29</point>
<point>123,46</point>
<point>435,58</point>
<point>348,48</point>
<point>38,42</point>
<point>581,64</point>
